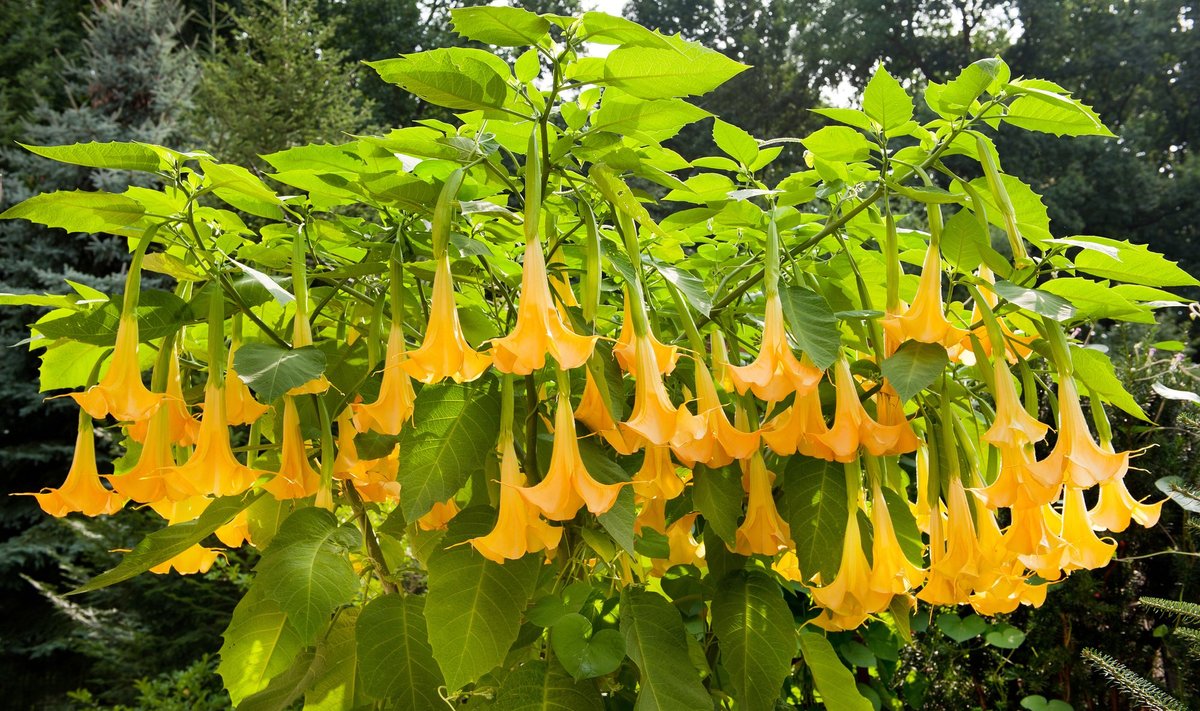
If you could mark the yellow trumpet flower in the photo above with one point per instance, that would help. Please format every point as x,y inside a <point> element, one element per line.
<point>685,550</point>
<point>394,406</point>
<point>776,372</point>
<point>212,470</point>
<point>540,327</point>
<point>1013,426</point>
<point>196,559</point>
<point>925,319</point>
<point>953,552</point>
<point>144,482</point>
<point>121,392</point>
<point>593,412</point>
<point>1116,507</point>
<point>849,598</point>
<point>82,491</point>
<point>438,517</point>
<point>445,353</point>
<point>1086,550</point>
<point>800,429</point>
<point>891,570</point>
<point>892,425</point>
<point>1014,346</point>
<point>657,478</point>
<point>654,419</point>
<point>567,485</point>
<point>652,516</point>
<point>1034,536</point>
<point>1017,486</point>
<point>519,530</point>
<point>1076,459</point>
<point>719,443</point>
<point>763,531</point>
<point>301,337</point>
<point>240,406</point>
<point>852,426</point>
<point>625,349</point>
<point>182,426</point>
<point>296,478</point>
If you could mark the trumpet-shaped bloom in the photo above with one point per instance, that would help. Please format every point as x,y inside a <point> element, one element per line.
<point>121,392</point>
<point>891,570</point>
<point>212,470</point>
<point>652,516</point>
<point>540,327</point>
<point>1013,425</point>
<point>685,550</point>
<point>82,491</point>
<point>654,419</point>
<point>567,485</point>
<point>892,425</point>
<point>445,353</point>
<point>852,426</point>
<point>519,530</point>
<point>196,559</point>
<point>296,478</point>
<point>1077,460</point>
<point>182,426</point>
<point>394,406</point>
<point>625,349</point>
<point>849,598</point>
<point>1117,507</point>
<point>719,443</point>
<point>953,552</point>
<point>144,482</point>
<point>925,319</point>
<point>1017,485</point>
<point>438,517</point>
<point>776,372</point>
<point>720,361</point>
<point>373,479</point>
<point>301,337</point>
<point>763,531</point>
<point>657,478</point>
<point>1087,550</point>
<point>1014,346</point>
<point>593,412</point>
<point>800,429</point>
<point>240,406</point>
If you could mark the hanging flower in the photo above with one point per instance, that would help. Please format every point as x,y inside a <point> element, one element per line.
<point>240,406</point>
<point>685,550</point>
<point>540,327</point>
<point>800,429</point>
<point>925,320</point>
<point>593,412</point>
<point>1034,535</point>
<point>196,559</point>
<point>852,426</point>
<point>394,406</point>
<point>438,518</point>
<point>719,443</point>
<point>182,426</point>
<point>849,598</point>
<point>519,530</point>
<point>1013,425</point>
<point>1076,459</point>
<point>296,478</point>
<point>1017,484</point>
<point>302,337</point>
<point>1086,550</point>
<point>892,425</point>
<point>82,491</point>
<point>654,419</point>
<point>625,349</point>
<point>445,353</point>
<point>891,570</point>
<point>953,552</point>
<point>144,482</point>
<point>657,478</point>
<point>1116,508</point>
<point>567,485</point>
<point>775,373</point>
<point>121,392</point>
<point>763,531</point>
<point>212,470</point>
<point>653,516</point>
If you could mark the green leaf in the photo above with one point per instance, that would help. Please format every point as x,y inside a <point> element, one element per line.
<point>454,430</point>
<point>115,156</point>
<point>457,77</point>
<point>337,685</point>
<point>850,117</point>
<point>956,96</point>
<point>1096,300</point>
<point>1004,636</point>
<point>718,494</point>
<point>542,686</point>
<point>657,643</point>
<point>966,245</point>
<point>913,367</point>
<point>656,120</point>
<point>1037,702</point>
<point>735,142</point>
<point>689,285</point>
<point>833,680</point>
<point>307,571</point>
<point>1039,302</point>
<point>886,101</point>
<point>286,688</point>
<point>1095,370</point>
<point>258,645</point>
<point>1033,220</point>
<point>78,211</point>
<point>272,370</point>
<point>838,143</point>
<point>395,660</point>
<point>159,314</point>
<point>55,300</point>
<point>1043,106</point>
<point>166,543</point>
<point>686,69</point>
<point>473,610</point>
<point>602,28</point>
<point>960,629</point>
<point>501,26</point>
<point>814,327</point>
<point>1130,263</point>
<point>282,296</point>
<point>583,653</point>
<point>814,498</point>
<point>757,634</point>
<point>242,189</point>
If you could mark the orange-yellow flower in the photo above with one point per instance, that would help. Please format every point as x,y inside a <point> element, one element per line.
<point>438,517</point>
<point>593,412</point>
<point>212,470</point>
<point>849,598</point>
<point>121,392</point>
<point>925,319</point>
<point>654,419</point>
<point>394,406</point>
<point>1015,346</point>
<point>800,429</point>
<point>144,482</point>
<point>891,570</point>
<point>776,372</point>
<point>445,353</point>
<point>625,348</point>
<point>1033,535</point>
<point>953,551</point>
<point>301,337</point>
<point>196,559</point>
<point>519,530</point>
<point>373,479</point>
<point>1017,485</point>
<point>1116,507</point>
<point>240,406</point>
<point>657,478</point>
<point>82,491</point>
<point>763,531</point>
<point>892,424</point>
<point>652,516</point>
<point>720,361</point>
<point>685,550</point>
<point>296,478</point>
<point>852,426</point>
<point>1086,550</point>
<point>567,485</point>
<point>1076,459</point>
<point>182,426</point>
<point>719,443</point>
<point>1013,425</point>
<point>540,328</point>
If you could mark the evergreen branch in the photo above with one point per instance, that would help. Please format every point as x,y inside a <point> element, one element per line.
<point>1131,683</point>
<point>1189,611</point>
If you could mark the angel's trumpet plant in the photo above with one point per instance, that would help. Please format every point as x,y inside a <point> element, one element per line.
<point>301,326</point>
<point>657,478</point>
<point>1077,460</point>
<point>763,531</point>
<point>240,406</point>
<point>654,420</point>
<point>1085,549</point>
<point>685,550</point>
<point>144,483</point>
<point>625,349</point>
<point>719,443</point>
<point>891,570</point>
<point>296,478</point>
<point>394,406</point>
<point>800,429</point>
<point>82,491</point>
<point>181,425</point>
<point>593,411</point>
<point>852,426</point>
<point>925,319</point>
<point>1116,507</point>
<point>849,598</point>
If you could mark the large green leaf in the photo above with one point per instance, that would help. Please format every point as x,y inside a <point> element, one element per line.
<point>457,78</point>
<point>78,211</point>
<point>286,688</point>
<point>886,101</point>
<point>815,506</point>
<point>717,495</point>
<point>242,189</point>
<point>501,26</point>
<point>116,156</point>
<point>837,143</point>
<point>602,28</point>
<point>834,681</point>
<point>259,644</point>
<point>307,571</point>
<point>1097,300</point>
<point>473,610</point>
<point>585,653</point>
<point>657,642</point>
<point>1095,370</point>
<point>655,120</point>
<point>956,96</point>
<point>454,430</point>
<point>159,314</point>
<point>1044,106</point>
<point>686,69</point>
<point>394,658</point>
<point>272,370</point>
<point>689,285</point>
<point>735,142</point>
<point>337,686</point>
<point>166,543</point>
<point>757,634</point>
<point>965,244</point>
<point>1131,263</point>
<point>545,686</point>
<point>813,325</point>
<point>914,366</point>
<point>1039,302</point>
